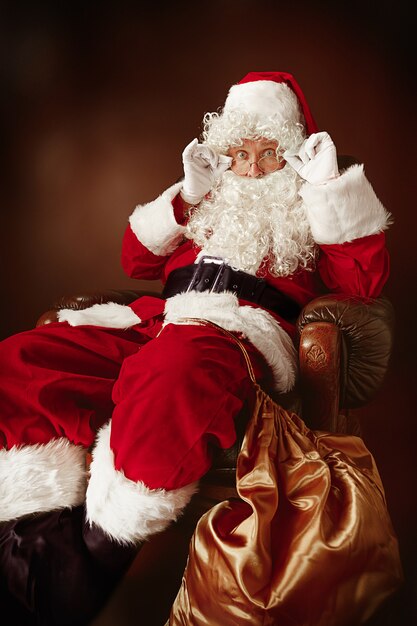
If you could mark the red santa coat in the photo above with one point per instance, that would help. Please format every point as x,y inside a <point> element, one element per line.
<point>170,397</point>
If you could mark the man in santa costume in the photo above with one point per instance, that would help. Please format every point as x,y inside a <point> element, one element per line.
<point>262,223</point>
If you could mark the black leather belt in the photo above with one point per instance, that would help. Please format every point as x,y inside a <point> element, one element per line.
<point>217,277</point>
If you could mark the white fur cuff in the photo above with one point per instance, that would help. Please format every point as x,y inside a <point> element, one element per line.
<point>344,209</point>
<point>260,328</point>
<point>127,511</point>
<point>154,223</point>
<point>109,315</point>
<point>39,478</point>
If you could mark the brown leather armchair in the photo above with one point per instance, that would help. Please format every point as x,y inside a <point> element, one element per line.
<point>344,346</point>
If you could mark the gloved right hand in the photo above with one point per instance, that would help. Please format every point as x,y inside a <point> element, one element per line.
<point>202,167</point>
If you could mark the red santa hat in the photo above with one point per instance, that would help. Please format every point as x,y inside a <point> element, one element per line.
<point>271,94</point>
<point>262,104</point>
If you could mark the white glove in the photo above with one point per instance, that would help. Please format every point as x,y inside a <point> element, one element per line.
<point>316,161</point>
<point>202,167</point>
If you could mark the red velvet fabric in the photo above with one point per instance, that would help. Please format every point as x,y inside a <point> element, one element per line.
<point>57,381</point>
<point>179,208</point>
<point>176,399</point>
<point>362,266</point>
<point>170,399</point>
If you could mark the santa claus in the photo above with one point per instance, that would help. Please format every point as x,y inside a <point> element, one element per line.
<point>262,222</point>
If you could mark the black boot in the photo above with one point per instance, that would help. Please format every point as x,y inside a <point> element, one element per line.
<point>57,571</point>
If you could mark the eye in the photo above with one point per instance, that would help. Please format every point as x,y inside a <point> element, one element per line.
<point>269,153</point>
<point>241,155</point>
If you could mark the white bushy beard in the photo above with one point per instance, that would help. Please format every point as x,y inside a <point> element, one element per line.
<point>257,225</point>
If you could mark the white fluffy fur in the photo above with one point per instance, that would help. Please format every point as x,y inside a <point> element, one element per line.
<point>36,478</point>
<point>344,209</point>
<point>154,223</point>
<point>109,315</point>
<point>265,98</point>
<point>128,512</point>
<point>260,328</point>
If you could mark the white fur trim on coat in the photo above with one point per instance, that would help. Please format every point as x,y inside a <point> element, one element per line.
<point>109,315</point>
<point>42,477</point>
<point>260,328</point>
<point>154,223</point>
<point>265,98</point>
<point>344,209</point>
<point>128,511</point>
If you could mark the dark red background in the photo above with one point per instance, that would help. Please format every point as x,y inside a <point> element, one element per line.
<point>97,103</point>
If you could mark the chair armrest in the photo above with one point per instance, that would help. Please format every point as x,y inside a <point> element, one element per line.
<point>84,300</point>
<point>344,348</point>
<point>319,374</point>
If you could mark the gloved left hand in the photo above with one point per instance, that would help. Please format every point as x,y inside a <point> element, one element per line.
<point>202,167</point>
<point>316,161</point>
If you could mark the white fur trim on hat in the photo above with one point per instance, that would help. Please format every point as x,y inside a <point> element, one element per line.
<point>265,98</point>
<point>42,477</point>
<point>128,511</point>
<point>109,315</point>
<point>260,328</point>
<point>154,223</point>
<point>344,209</point>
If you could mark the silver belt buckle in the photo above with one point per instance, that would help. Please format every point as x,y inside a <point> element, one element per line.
<point>197,272</point>
<point>217,260</point>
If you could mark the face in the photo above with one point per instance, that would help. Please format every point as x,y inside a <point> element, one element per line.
<point>255,158</point>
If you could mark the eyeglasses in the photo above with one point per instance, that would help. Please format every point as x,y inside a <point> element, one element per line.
<point>268,163</point>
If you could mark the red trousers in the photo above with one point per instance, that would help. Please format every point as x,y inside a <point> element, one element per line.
<point>170,397</point>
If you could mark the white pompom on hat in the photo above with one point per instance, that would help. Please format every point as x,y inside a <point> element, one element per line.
<point>269,94</point>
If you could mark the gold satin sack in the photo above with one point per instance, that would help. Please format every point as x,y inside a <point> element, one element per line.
<point>309,542</point>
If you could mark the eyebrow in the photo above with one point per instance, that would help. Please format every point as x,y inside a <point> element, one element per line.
<point>265,146</point>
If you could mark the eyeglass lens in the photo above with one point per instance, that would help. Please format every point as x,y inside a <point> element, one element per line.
<point>266,164</point>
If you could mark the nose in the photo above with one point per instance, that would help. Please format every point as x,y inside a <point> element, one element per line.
<point>254,171</point>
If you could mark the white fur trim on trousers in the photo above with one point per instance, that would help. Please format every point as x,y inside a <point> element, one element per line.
<point>154,223</point>
<point>40,478</point>
<point>128,511</point>
<point>257,325</point>
<point>109,315</point>
<point>344,209</point>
